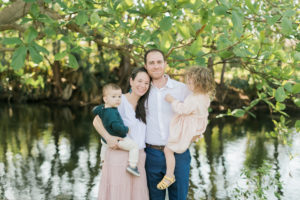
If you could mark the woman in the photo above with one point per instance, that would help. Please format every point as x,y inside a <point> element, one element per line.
<point>115,182</point>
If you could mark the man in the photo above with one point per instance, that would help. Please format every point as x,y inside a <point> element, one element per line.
<point>159,114</point>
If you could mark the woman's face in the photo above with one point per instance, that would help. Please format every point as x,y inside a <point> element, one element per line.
<point>140,84</point>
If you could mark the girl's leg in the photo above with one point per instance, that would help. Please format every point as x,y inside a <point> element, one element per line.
<point>169,178</point>
<point>170,161</point>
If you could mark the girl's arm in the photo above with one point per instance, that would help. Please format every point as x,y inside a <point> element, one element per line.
<point>112,141</point>
<point>186,107</point>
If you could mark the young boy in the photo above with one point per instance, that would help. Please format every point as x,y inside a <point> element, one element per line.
<point>114,125</point>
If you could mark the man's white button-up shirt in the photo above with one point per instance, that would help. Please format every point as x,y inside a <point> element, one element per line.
<point>159,112</point>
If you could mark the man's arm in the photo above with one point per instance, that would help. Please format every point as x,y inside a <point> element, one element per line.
<point>112,141</point>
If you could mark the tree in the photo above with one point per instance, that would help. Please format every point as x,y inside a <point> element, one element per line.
<point>259,38</point>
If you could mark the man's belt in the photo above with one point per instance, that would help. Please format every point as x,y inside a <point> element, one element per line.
<point>157,147</point>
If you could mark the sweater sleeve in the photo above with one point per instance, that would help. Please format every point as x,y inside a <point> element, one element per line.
<point>98,110</point>
<point>117,124</point>
<point>184,108</point>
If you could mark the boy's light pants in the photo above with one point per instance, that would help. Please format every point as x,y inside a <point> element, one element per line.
<point>126,144</point>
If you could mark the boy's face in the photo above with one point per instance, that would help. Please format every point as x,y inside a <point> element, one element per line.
<point>112,98</point>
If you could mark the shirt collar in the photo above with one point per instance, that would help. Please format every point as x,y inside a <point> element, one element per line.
<point>170,83</point>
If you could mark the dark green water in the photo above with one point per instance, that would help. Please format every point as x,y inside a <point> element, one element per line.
<point>51,152</point>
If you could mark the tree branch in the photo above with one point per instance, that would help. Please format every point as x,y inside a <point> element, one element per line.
<point>189,43</point>
<point>12,27</point>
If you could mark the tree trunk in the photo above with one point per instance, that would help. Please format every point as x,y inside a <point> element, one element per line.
<point>56,79</point>
<point>222,74</point>
<point>124,72</point>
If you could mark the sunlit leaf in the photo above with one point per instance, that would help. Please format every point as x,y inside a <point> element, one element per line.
<point>297,101</point>
<point>18,58</point>
<point>286,26</point>
<point>280,94</point>
<point>280,106</point>
<point>238,112</point>
<point>40,48</point>
<point>237,20</point>
<point>81,18</point>
<point>273,19</point>
<point>289,13</point>
<point>94,18</point>
<point>34,10</point>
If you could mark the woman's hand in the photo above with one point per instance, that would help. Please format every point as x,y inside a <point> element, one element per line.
<point>169,98</point>
<point>112,141</point>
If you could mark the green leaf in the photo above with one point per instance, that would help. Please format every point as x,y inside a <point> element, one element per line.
<point>238,112</point>
<point>298,47</point>
<point>40,48</point>
<point>166,23</point>
<point>226,3</point>
<point>60,55</point>
<point>296,88</point>
<point>72,61</point>
<point>184,31</point>
<point>18,58</point>
<point>94,18</point>
<point>297,125</point>
<point>288,86</point>
<point>237,20</point>
<point>13,40</point>
<point>30,35</point>
<point>289,13</point>
<point>273,19</point>
<point>297,56</point>
<point>280,94</point>
<point>280,106</point>
<point>35,56</point>
<point>200,61</point>
<point>129,2</point>
<point>196,46</point>
<point>297,102</point>
<point>34,10</point>
<point>81,18</point>
<point>29,1</point>
<point>286,26</point>
<point>249,5</point>
<point>220,10</point>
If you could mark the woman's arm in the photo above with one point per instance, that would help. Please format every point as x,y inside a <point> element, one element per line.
<point>112,141</point>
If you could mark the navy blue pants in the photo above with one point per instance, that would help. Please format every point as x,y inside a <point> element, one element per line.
<point>156,169</point>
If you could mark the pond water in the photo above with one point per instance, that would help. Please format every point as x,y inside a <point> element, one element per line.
<point>51,152</point>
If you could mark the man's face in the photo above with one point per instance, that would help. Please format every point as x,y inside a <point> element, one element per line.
<point>112,98</point>
<point>155,65</point>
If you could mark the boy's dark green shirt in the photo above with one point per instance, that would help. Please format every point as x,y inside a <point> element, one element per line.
<point>111,120</point>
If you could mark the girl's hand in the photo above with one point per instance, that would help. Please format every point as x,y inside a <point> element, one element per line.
<point>169,98</point>
<point>112,141</point>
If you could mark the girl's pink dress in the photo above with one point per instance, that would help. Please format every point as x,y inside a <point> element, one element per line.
<point>190,120</point>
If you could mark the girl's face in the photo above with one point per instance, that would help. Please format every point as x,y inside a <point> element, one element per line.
<point>140,84</point>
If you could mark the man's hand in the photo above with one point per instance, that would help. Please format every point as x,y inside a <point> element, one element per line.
<point>196,138</point>
<point>169,98</point>
<point>112,141</point>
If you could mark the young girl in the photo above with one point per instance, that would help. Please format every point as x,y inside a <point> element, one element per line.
<point>190,119</point>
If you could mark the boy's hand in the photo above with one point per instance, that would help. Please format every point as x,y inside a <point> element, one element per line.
<point>169,98</point>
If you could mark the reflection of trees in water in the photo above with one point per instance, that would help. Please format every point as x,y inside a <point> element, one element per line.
<point>48,153</point>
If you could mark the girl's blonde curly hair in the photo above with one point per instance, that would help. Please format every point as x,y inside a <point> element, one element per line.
<point>202,79</point>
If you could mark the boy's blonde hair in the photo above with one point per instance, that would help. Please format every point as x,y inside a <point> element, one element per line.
<point>203,80</point>
<point>108,87</point>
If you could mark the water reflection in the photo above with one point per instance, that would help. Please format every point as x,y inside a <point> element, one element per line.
<point>53,153</point>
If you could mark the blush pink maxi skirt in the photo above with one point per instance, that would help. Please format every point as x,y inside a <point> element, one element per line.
<point>116,183</point>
